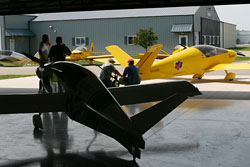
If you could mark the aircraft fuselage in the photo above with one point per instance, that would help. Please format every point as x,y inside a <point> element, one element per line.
<point>190,61</point>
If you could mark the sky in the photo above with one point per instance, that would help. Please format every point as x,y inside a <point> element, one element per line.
<point>235,14</point>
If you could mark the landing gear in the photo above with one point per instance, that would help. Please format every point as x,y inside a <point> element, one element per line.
<point>37,121</point>
<point>230,76</point>
<point>198,76</point>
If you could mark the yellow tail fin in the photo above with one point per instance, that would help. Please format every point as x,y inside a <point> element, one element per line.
<point>149,57</point>
<point>121,56</point>
<point>91,51</point>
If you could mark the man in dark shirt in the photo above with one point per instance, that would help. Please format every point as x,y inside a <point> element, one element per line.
<point>131,72</point>
<point>58,52</point>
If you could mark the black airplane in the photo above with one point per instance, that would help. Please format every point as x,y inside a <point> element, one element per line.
<point>85,99</point>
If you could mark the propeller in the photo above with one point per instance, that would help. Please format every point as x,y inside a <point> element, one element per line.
<point>240,53</point>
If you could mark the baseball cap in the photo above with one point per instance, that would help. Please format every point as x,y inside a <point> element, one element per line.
<point>130,60</point>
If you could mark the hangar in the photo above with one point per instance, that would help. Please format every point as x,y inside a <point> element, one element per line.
<point>186,25</point>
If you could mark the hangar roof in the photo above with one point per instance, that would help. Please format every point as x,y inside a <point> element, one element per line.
<point>14,7</point>
<point>118,13</point>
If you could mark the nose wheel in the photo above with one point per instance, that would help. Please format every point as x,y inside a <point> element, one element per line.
<point>230,76</point>
<point>198,76</point>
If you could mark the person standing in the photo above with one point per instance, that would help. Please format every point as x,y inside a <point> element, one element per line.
<point>44,53</point>
<point>106,73</point>
<point>59,51</point>
<point>131,73</point>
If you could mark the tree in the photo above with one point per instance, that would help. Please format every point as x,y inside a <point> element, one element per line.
<point>145,38</point>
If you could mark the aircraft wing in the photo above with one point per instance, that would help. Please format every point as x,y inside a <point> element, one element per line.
<point>99,57</point>
<point>105,60</point>
<point>8,58</point>
<point>152,92</point>
<point>32,103</point>
<point>233,66</point>
<point>159,56</point>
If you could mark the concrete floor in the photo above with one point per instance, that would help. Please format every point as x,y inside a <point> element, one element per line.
<point>200,132</point>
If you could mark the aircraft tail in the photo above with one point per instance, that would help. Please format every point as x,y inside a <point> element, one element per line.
<point>149,57</point>
<point>146,119</point>
<point>92,49</point>
<point>121,56</point>
<point>166,53</point>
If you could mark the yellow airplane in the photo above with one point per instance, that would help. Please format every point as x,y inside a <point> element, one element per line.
<point>195,60</point>
<point>82,53</point>
<point>159,56</point>
<point>164,54</point>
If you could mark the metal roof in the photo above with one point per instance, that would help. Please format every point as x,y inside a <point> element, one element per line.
<point>19,32</point>
<point>13,7</point>
<point>182,28</point>
<point>118,13</point>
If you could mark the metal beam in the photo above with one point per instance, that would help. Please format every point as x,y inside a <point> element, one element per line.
<point>11,7</point>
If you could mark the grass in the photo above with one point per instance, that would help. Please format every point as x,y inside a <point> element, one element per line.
<point>242,59</point>
<point>86,63</point>
<point>240,48</point>
<point>13,76</point>
<point>21,63</point>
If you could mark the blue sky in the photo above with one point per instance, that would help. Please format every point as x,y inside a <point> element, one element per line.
<point>235,14</point>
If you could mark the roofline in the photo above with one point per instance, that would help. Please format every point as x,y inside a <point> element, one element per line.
<point>110,18</point>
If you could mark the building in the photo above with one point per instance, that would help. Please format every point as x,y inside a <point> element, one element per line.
<point>228,35</point>
<point>243,37</point>
<point>185,25</point>
<point>15,33</point>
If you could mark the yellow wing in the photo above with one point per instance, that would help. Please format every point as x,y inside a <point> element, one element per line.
<point>98,57</point>
<point>105,60</point>
<point>159,56</point>
<point>233,66</point>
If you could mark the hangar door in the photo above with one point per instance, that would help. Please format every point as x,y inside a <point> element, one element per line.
<point>210,32</point>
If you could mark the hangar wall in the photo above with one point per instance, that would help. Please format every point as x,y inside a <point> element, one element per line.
<point>113,30</point>
<point>243,37</point>
<point>104,32</point>
<point>228,35</point>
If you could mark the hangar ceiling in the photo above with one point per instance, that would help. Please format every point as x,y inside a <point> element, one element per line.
<point>12,7</point>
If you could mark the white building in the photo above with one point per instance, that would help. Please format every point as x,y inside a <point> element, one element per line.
<point>243,37</point>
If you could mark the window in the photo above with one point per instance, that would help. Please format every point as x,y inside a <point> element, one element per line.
<point>79,41</point>
<point>130,39</point>
<point>218,40</point>
<point>214,42</point>
<point>183,39</point>
<point>204,39</point>
<point>210,40</point>
<point>210,51</point>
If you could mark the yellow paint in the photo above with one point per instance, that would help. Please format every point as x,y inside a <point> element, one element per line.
<point>185,61</point>
<point>82,53</point>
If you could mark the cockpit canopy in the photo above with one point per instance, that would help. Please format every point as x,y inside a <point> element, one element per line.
<point>209,50</point>
<point>81,48</point>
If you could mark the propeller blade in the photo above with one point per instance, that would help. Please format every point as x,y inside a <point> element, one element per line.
<point>239,53</point>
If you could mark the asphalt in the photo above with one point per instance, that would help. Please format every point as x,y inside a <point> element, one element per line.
<point>210,130</point>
